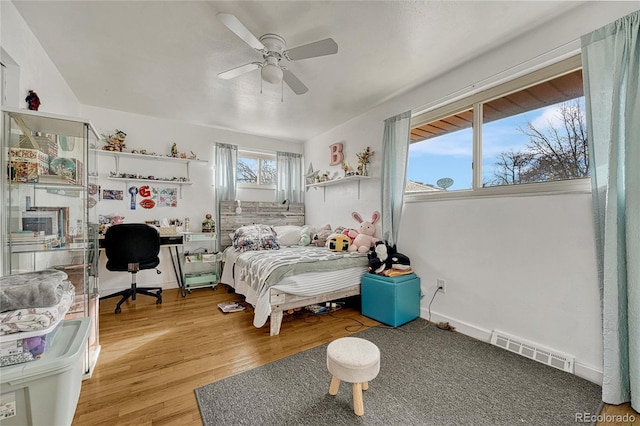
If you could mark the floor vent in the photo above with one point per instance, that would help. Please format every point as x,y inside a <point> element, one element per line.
<point>532,350</point>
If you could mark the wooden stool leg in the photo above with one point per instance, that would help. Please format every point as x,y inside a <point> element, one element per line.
<point>358,403</point>
<point>365,385</point>
<point>333,388</point>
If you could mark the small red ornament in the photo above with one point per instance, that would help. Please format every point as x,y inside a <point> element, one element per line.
<point>33,100</point>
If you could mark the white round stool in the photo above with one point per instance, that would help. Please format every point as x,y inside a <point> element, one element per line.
<point>353,360</point>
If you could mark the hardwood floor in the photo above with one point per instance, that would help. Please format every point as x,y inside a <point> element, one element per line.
<point>154,356</point>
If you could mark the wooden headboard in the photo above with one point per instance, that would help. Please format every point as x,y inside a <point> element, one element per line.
<point>256,212</point>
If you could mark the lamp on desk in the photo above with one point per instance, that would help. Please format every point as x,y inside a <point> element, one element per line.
<point>238,209</point>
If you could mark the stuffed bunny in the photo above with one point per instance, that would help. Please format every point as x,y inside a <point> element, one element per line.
<point>366,234</point>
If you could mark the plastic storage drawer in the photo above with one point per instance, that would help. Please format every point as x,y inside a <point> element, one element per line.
<point>46,391</point>
<point>391,300</point>
<point>27,346</point>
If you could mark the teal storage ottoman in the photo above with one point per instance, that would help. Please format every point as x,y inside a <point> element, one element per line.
<point>391,300</point>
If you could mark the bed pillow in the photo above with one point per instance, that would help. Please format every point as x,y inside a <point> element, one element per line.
<point>288,235</point>
<point>255,237</point>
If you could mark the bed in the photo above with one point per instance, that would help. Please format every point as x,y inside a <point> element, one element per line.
<point>274,281</point>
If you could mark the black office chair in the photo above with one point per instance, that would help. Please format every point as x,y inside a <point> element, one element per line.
<point>132,247</point>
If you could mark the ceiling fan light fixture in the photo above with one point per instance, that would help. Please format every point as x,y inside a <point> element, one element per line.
<point>271,73</point>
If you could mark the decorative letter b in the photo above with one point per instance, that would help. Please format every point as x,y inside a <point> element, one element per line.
<point>336,154</point>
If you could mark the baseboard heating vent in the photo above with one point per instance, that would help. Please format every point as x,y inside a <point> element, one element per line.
<point>533,350</point>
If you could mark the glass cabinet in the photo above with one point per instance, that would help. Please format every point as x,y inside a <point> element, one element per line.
<point>49,214</point>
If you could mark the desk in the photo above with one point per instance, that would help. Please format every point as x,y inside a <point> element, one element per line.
<point>171,242</point>
<point>165,240</point>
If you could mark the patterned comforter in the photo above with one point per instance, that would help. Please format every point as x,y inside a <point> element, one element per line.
<point>262,269</point>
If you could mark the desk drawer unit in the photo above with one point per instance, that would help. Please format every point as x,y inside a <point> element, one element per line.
<point>391,300</point>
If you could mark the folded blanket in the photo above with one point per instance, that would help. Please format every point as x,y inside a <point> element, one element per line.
<point>33,319</point>
<point>31,290</point>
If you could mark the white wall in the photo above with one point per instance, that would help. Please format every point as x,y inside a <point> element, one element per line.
<point>157,135</point>
<point>522,265</point>
<point>37,72</point>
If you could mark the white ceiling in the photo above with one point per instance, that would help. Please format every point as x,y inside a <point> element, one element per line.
<point>161,58</point>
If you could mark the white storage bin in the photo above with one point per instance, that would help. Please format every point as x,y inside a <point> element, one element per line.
<point>46,391</point>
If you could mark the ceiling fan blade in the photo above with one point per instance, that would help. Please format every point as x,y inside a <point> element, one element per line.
<point>311,50</point>
<point>240,30</point>
<point>242,69</point>
<point>293,82</point>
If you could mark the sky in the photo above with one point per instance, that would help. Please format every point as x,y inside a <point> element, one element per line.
<point>450,155</point>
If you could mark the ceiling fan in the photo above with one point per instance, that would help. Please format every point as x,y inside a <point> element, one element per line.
<point>274,50</point>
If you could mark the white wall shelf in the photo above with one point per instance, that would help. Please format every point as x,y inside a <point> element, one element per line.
<point>127,179</point>
<point>339,181</point>
<point>117,155</point>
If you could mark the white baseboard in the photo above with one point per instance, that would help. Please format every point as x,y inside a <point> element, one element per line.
<point>585,371</point>
<point>588,372</point>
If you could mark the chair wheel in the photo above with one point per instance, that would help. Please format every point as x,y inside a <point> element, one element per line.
<point>159,302</point>
<point>118,310</point>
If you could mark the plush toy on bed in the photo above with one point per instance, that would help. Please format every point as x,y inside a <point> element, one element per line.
<point>365,239</point>
<point>305,236</point>
<point>338,242</point>
<point>320,235</point>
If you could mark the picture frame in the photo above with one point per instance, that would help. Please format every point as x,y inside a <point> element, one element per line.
<point>112,194</point>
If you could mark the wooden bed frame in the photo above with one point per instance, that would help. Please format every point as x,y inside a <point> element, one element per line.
<point>275,214</point>
<point>281,301</point>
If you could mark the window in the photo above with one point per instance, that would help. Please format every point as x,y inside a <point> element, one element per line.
<point>531,130</point>
<point>256,169</point>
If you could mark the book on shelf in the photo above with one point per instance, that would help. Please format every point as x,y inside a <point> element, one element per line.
<point>230,307</point>
<point>21,248</point>
<point>55,179</point>
<point>31,237</point>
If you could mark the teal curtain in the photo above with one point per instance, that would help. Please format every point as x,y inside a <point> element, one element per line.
<point>289,182</point>
<point>226,157</point>
<point>611,63</point>
<point>395,154</point>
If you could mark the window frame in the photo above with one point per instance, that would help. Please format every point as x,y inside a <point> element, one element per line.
<point>257,155</point>
<point>475,101</point>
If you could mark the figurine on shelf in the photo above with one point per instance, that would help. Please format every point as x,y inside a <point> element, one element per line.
<point>208,224</point>
<point>346,168</point>
<point>32,100</point>
<point>115,142</point>
<point>174,150</point>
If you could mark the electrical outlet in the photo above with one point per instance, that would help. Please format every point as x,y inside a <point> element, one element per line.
<point>441,285</point>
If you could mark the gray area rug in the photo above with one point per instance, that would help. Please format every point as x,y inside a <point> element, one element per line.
<point>427,376</point>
